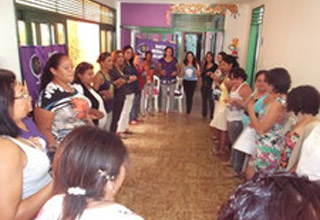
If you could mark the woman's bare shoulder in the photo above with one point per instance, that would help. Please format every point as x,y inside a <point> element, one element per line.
<point>8,147</point>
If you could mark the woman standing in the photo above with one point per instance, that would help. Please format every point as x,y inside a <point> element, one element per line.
<point>103,85</point>
<point>191,72</point>
<point>135,111</point>
<point>167,68</point>
<point>239,93</point>
<point>119,80</point>
<point>60,107</point>
<point>84,78</point>
<point>24,166</point>
<point>219,121</point>
<point>132,88</point>
<point>268,125</point>
<point>208,68</point>
<point>246,141</point>
<point>148,71</point>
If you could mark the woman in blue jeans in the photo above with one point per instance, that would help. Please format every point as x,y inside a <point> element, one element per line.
<point>191,72</point>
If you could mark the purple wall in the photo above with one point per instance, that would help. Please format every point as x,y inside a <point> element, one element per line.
<point>125,37</point>
<point>148,15</point>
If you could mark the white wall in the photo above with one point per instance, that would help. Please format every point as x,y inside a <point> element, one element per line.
<point>9,55</point>
<point>238,27</point>
<point>291,39</point>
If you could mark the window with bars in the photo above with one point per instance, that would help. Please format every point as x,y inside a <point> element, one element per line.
<point>83,9</point>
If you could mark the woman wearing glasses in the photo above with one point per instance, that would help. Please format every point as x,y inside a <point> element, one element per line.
<point>24,178</point>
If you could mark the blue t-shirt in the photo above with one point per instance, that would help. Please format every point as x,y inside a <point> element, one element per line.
<point>189,73</point>
<point>258,106</point>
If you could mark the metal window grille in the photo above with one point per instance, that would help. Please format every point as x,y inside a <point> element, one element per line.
<point>84,9</point>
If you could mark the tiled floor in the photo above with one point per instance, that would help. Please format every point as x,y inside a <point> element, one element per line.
<point>174,175</point>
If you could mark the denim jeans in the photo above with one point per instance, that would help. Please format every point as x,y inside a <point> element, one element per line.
<point>135,110</point>
<point>237,157</point>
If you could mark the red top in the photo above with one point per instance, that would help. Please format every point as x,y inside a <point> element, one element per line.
<point>140,77</point>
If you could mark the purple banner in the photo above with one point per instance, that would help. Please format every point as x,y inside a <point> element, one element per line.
<point>33,60</point>
<point>156,47</point>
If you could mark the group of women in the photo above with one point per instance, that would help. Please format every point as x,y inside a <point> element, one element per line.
<point>267,128</point>
<point>87,172</point>
<point>89,166</point>
<point>73,113</point>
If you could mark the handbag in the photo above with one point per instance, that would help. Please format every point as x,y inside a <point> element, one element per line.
<point>216,93</point>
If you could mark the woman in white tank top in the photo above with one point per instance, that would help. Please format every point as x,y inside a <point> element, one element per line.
<point>24,179</point>
<point>238,95</point>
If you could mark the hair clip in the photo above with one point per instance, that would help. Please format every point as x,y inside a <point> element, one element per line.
<point>104,174</point>
<point>76,191</point>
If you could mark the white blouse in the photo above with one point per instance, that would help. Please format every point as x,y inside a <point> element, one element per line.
<point>309,161</point>
<point>52,210</point>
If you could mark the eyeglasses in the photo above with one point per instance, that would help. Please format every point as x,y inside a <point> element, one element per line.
<point>23,96</point>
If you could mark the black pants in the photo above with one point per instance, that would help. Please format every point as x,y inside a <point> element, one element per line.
<point>189,88</point>
<point>117,109</point>
<point>207,100</point>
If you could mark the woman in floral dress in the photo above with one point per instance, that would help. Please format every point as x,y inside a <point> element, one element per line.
<point>268,125</point>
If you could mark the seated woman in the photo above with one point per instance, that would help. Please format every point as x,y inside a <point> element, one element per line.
<point>88,183</point>
<point>60,107</point>
<point>304,102</point>
<point>268,125</point>
<point>84,78</point>
<point>24,178</point>
<point>273,197</point>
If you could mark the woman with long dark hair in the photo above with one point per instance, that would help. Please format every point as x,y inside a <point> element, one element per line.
<point>84,78</point>
<point>103,85</point>
<point>132,89</point>
<point>60,107</point>
<point>89,169</point>
<point>191,72</point>
<point>209,67</point>
<point>24,166</point>
<point>119,81</point>
<point>219,121</point>
<point>148,67</point>
<point>135,110</point>
<point>168,70</point>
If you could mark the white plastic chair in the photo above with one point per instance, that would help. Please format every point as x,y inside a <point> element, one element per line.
<point>178,95</point>
<point>156,91</point>
<point>155,94</point>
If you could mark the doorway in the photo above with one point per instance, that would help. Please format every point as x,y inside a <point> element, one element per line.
<point>193,42</point>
